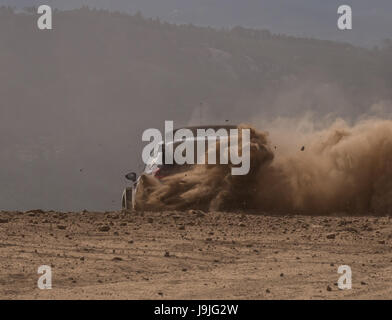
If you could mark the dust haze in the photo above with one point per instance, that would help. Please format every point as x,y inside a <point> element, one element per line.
<point>341,169</point>
<point>75,101</point>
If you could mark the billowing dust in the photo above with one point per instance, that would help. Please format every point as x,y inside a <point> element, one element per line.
<point>341,169</point>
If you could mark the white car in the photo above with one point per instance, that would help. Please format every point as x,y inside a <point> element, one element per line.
<point>159,171</point>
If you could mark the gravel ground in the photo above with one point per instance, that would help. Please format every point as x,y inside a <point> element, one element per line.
<point>193,255</point>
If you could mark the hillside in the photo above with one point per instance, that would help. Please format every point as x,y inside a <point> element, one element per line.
<point>75,100</point>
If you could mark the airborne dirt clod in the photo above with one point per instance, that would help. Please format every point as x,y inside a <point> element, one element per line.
<point>269,257</point>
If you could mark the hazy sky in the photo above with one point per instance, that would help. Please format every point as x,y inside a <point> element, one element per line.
<point>315,18</point>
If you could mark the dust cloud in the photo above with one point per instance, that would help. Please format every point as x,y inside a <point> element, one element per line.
<point>342,168</point>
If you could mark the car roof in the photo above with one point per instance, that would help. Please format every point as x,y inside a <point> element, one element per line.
<point>205,127</point>
<point>194,131</point>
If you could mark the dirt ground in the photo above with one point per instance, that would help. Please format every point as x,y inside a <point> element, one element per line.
<point>193,255</point>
